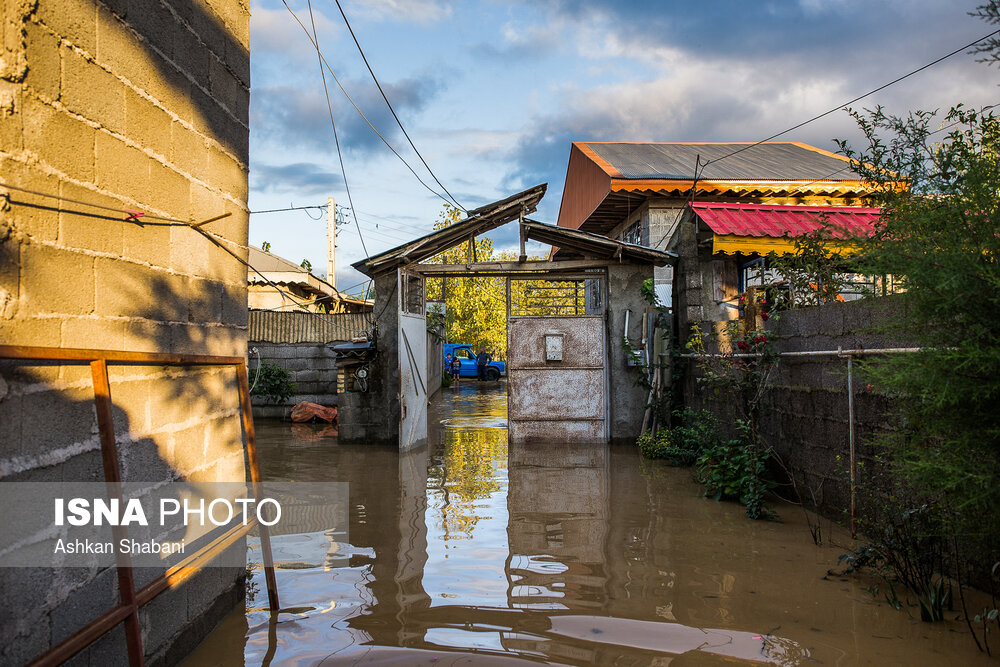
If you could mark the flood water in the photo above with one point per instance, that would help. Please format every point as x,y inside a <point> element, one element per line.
<point>470,552</point>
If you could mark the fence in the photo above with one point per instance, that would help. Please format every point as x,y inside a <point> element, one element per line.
<point>300,327</point>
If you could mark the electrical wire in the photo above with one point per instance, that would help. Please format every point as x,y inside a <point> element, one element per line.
<point>219,241</point>
<point>333,123</point>
<point>358,109</point>
<point>133,216</point>
<point>859,97</point>
<point>290,208</point>
<point>389,104</point>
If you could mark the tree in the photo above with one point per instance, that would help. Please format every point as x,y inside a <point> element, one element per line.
<point>938,235</point>
<point>477,311</point>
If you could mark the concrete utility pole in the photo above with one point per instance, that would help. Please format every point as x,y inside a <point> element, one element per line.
<point>331,242</point>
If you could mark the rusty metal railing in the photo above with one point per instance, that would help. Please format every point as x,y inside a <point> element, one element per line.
<point>131,600</point>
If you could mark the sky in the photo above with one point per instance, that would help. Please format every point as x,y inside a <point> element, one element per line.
<point>493,93</point>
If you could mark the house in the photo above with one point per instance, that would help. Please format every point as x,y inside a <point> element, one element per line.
<point>720,206</point>
<point>276,283</point>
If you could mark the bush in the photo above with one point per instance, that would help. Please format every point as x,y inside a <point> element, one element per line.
<point>736,470</point>
<point>273,383</point>
<point>696,431</point>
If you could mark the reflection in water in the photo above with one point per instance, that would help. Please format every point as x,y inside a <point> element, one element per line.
<point>564,554</point>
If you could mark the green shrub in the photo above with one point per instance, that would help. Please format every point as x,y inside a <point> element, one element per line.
<point>696,431</point>
<point>736,470</point>
<point>273,383</point>
<point>654,446</point>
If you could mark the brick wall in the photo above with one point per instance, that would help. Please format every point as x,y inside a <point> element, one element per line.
<point>140,106</point>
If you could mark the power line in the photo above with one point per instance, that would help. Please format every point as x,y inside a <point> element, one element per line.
<point>290,208</point>
<point>389,104</point>
<point>315,44</point>
<point>859,97</point>
<point>333,123</point>
<point>132,216</point>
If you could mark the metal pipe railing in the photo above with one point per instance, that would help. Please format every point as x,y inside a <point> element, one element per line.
<point>839,352</point>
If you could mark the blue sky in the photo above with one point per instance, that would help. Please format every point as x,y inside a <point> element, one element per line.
<point>492,93</point>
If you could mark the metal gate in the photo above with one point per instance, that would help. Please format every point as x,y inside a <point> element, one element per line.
<point>412,339</point>
<point>557,379</point>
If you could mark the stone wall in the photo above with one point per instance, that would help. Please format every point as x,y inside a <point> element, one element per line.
<point>806,406</point>
<point>131,107</point>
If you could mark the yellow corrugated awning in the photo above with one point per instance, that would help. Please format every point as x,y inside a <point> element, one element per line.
<point>731,244</point>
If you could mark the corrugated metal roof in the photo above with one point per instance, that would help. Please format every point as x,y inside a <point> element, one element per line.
<point>594,245</point>
<point>479,221</point>
<point>775,221</point>
<point>772,161</point>
<point>266,262</point>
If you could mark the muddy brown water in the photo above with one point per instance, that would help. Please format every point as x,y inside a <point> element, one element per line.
<point>470,552</point>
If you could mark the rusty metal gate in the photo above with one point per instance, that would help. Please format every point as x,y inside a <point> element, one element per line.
<point>556,361</point>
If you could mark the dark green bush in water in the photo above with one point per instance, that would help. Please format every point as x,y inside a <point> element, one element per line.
<point>273,383</point>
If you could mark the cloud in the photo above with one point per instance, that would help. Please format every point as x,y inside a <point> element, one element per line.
<point>843,29</point>
<point>531,42</point>
<point>409,11</point>
<point>275,33</point>
<point>302,178</point>
<point>293,116</point>
<point>705,105</point>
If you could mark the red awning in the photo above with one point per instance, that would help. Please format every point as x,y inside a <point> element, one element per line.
<point>775,221</point>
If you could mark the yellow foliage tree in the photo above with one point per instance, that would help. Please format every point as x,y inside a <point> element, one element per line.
<point>476,307</point>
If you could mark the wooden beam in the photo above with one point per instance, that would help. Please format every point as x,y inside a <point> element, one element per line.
<point>508,267</point>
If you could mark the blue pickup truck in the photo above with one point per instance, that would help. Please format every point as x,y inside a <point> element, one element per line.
<point>467,356</point>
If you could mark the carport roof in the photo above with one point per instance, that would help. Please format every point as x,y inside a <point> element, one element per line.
<point>479,221</point>
<point>573,242</point>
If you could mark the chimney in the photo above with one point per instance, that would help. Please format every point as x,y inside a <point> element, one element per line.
<point>331,242</point>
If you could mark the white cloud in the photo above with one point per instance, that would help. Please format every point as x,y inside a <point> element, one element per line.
<point>409,11</point>
<point>275,32</point>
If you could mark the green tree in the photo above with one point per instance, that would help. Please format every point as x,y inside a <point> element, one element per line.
<point>938,235</point>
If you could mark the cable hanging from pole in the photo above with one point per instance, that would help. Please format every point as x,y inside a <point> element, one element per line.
<point>360,112</point>
<point>392,110</point>
<point>333,123</point>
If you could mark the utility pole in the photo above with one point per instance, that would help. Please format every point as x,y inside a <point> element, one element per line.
<point>331,242</point>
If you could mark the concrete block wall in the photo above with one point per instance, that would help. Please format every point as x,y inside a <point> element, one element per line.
<point>805,409</point>
<point>139,106</point>
<point>372,417</point>
<point>313,369</point>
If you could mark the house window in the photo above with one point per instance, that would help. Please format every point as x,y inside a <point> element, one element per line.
<point>633,233</point>
<point>413,294</point>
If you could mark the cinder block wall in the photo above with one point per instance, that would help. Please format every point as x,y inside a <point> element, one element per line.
<point>138,106</point>
<point>313,369</point>
<point>805,410</point>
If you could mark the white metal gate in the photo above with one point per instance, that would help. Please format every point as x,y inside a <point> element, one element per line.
<point>412,341</point>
